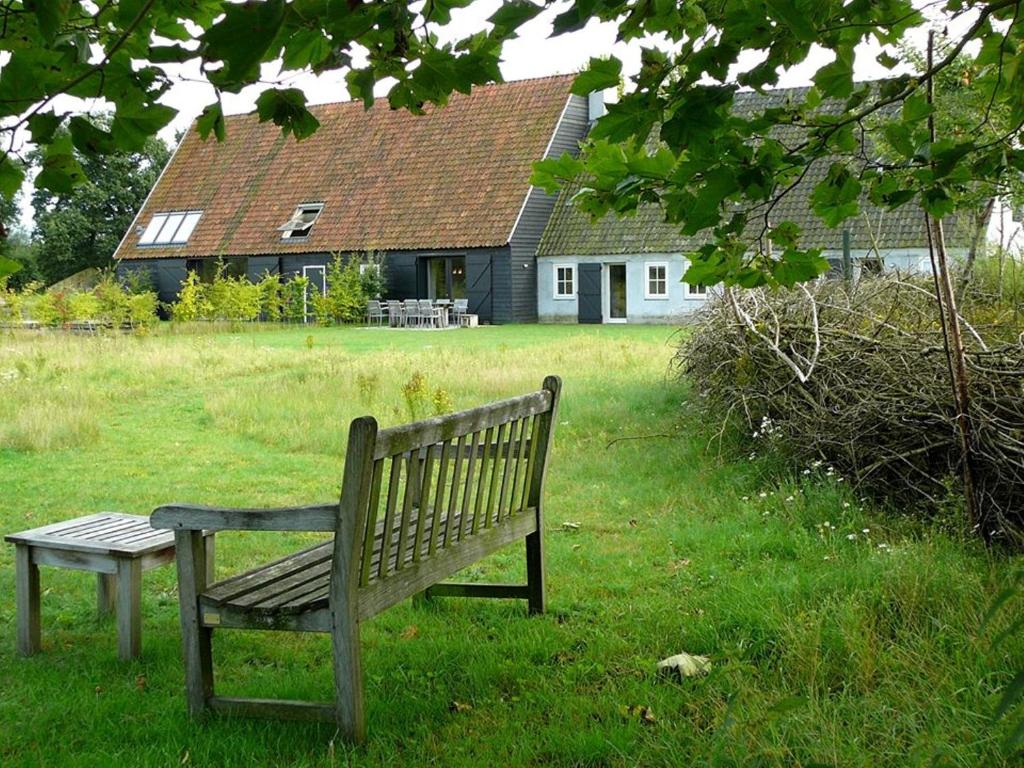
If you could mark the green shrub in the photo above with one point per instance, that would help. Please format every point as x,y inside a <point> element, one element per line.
<point>294,309</point>
<point>113,300</point>
<point>192,303</point>
<point>142,309</point>
<point>51,309</point>
<point>272,298</point>
<point>83,306</point>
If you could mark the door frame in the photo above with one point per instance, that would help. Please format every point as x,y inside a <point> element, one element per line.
<point>305,294</point>
<point>606,291</point>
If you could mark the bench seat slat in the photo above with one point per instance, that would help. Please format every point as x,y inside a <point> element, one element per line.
<point>301,581</point>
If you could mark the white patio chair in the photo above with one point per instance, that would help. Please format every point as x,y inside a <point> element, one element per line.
<point>375,313</point>
<point>396,319</point>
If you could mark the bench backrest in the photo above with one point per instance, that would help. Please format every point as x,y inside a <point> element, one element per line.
<point>412,493</point>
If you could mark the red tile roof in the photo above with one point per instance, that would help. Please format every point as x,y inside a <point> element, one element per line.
<point>455,177</point>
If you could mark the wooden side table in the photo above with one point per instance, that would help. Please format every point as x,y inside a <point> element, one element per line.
<point>115,546</point>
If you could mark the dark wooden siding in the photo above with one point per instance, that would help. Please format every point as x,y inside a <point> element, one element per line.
<point>522,273</point>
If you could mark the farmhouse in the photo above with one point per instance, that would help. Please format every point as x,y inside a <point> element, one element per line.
<point>631,269</point>
<point>445,196</point>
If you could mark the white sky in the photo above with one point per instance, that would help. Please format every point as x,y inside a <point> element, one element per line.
<point>533,54</point>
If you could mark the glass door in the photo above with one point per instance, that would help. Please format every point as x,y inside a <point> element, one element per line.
<point>446,277</point>
<point>617,293</point>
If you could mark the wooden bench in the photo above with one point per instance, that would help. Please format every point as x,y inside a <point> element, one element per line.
<point>418,503</point>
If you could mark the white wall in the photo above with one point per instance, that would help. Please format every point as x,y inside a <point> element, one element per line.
<point>639,308</point>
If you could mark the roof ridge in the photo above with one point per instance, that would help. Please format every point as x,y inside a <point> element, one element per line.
<point>351,101</point>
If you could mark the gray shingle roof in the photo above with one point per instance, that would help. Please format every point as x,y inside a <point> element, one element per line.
<point>571,233</point>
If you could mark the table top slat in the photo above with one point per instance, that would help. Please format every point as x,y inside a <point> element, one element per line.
<point>105,533</point>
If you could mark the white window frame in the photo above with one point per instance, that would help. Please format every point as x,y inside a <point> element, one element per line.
<point>289,234</point>
<point>153,235</point>
<point>696,291</point>
<point>648,294</point>
<point>364,268</point>
<point>559,296</point>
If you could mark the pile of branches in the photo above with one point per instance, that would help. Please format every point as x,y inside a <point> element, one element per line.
<point>856,375</point>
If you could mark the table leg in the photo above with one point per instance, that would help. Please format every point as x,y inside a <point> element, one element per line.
<point>106,590</point>
<point>26,587</point>
<point>129,608</point>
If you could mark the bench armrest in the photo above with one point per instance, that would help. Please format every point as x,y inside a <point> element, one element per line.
<point>191,517</point>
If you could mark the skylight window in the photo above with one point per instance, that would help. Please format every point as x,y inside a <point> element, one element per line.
<point>171,228</point>
<point>301,222</point>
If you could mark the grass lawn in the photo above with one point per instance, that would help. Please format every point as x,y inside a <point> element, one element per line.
<point>839,636</point>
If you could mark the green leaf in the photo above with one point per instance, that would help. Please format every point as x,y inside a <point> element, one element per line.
<point>600,74</point>
<point>60,171</point>
<point>306,48</point>
<point>8,267</point>
<point>786,234</point>
<point>440,11</point>
<point>212,121</point>
<point>836,197</point>
<point>287,108</point>
<point>170,54</point>
<point>43,125</point>
<point>360,85</point>
<point>887,60</point>
<point>628,119</point>
<point>89,139</point>
<point>11,176</point>
<point>50,15</point>
<point>241,40</point>
<point>835,80</point>
<point>512,15</point>
<point>134,124</point>
<point>796,19</point>
<point>708,266</point>
<point>916,108</point>
<point>901,138</point>
<point>799,267</point>
<point>550,173</point>
<point>937,202</point>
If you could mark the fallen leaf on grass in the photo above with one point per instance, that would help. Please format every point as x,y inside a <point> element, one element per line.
<point>678,564</point>
<point>570,526</point>
<point>140,682</point>
<point>410,633</point>
<point>684,665</point>
<point>642,713</point>
<point>459,706</point>
<point>633,523</point>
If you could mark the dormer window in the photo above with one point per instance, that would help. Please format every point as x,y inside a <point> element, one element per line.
<point>171,228</point>
<point>301,222</point>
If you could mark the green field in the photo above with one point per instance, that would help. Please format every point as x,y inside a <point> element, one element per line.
<point>831,645</point>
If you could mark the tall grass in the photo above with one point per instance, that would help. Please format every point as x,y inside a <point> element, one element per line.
<point>830,646</point>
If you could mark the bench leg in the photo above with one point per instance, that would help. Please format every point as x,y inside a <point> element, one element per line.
<point>348,677</point>
<point>196,640</point>
<point>106,590</point>
<point>26,587</point>
<point>535,571</point>
<point>129,608</point>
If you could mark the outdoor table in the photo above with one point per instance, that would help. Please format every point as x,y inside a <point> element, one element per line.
<point>115,546</point>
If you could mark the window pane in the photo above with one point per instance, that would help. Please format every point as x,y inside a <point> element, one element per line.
<point>187,226</point>
<point>169,227</point>
<point>149,235</point>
